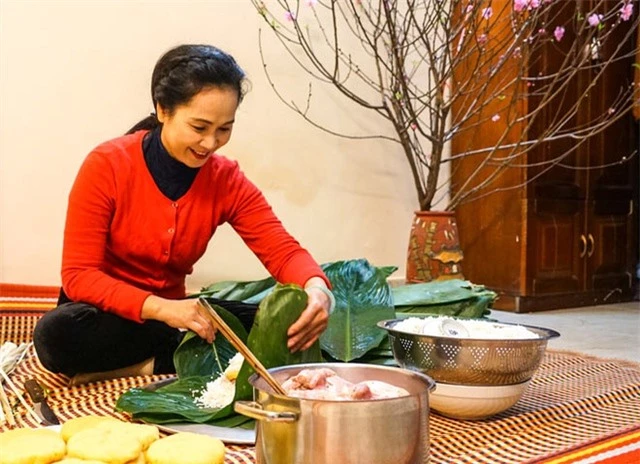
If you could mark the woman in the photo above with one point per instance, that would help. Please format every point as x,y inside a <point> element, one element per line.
<point>142,211</point>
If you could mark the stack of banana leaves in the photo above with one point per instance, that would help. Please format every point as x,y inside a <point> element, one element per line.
<point>363,298</point>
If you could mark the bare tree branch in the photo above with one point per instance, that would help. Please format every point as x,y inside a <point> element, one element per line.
<point>446,73</point>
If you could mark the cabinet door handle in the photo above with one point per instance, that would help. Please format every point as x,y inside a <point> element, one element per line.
<point>583,249</point>
<point>591,247</point>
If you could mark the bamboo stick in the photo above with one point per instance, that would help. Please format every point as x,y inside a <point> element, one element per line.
<point>16,392</point>
<point>241,347</point>
<point>6,408</point>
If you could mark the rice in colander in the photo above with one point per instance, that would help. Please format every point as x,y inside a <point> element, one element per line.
<point>433,326</point>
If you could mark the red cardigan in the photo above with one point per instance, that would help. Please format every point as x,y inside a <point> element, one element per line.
<point>124,240</point>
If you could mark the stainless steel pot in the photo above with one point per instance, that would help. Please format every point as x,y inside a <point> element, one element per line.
<point>308,431</point>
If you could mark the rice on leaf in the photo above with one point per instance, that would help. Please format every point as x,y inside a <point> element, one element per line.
<point>198,362</point>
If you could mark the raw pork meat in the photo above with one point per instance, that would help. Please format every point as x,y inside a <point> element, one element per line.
<point>325,384</point>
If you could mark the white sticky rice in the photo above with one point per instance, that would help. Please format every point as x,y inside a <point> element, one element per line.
<point>486,330</point>
<point>221,391</point>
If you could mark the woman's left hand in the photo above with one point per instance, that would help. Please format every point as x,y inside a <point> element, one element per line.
<point>312,322</point>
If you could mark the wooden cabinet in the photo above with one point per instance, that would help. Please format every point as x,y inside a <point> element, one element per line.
<point>569,236</point>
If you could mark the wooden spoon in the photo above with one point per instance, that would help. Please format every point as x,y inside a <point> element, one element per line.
<point>230,335</point>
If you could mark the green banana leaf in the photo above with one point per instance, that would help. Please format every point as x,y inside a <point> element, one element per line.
<point>194,356</point>
<point>474,308</point>
<point>459,298</point>
<point>381,355</point>
<point>198,363</point>
<point>252,292</point>
<point>172,403</point>
<point>386,271</point>
<point>363,298</point>
<point>255,291</point>
<point>268,336</point>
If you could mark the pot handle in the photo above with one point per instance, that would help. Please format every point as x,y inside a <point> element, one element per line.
<point>255,411</point>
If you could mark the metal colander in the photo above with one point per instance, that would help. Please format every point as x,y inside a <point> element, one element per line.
<point>468,361</point>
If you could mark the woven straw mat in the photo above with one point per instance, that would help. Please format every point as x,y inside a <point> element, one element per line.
<point>573,400</point>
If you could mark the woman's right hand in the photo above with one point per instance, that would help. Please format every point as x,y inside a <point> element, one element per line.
<point>180,314</point>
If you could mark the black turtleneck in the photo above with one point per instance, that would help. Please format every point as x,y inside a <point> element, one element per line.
<point>172,177</point>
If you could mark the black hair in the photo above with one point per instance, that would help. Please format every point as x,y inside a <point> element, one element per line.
<point>184,71</point>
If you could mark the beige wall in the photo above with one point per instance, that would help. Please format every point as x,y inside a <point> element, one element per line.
<point>76,73</point>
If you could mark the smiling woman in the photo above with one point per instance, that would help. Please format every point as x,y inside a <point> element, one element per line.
<point>193,132</point>
<point>141,213</point>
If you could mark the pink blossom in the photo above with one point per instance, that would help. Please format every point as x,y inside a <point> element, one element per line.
<point>558,33</point>
<point>289,16</point>
<point>312,2</point>
<point>626,11</point>
<point>495,118</point>
<point>520,5</point>
<point>487,12</point>
<point>482,39</point>
<point>594,19</point>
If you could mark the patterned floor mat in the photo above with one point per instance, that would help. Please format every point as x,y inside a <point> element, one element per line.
<point>574,401</point>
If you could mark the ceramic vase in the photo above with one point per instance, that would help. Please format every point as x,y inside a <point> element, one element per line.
<point>434,248</point>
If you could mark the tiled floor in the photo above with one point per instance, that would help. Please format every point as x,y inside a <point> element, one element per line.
<point>607,331</point>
